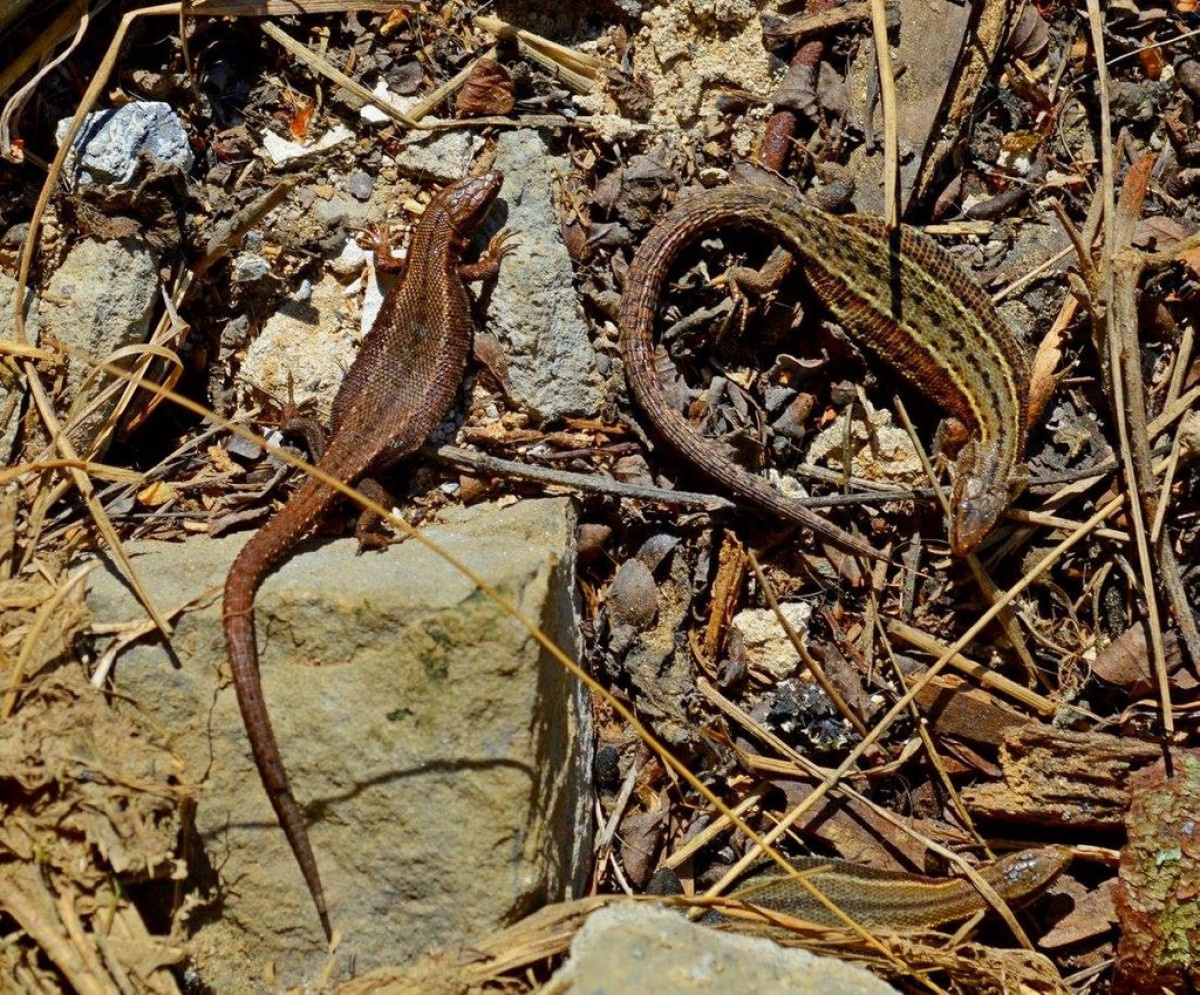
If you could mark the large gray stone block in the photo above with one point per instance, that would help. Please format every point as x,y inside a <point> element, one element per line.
<point>438,753</point>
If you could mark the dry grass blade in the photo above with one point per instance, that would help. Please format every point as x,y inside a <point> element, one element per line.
<point>36,388</point>
<point>101,471</point>
<point>322,66</point>
<point>292,8</point>
<point>78,15</point>
<point>934,755</point>
<point>88,492</point>
<point>87,404</point>
<point>887,99</point>
<point>46,613</point>
<point>576,69</point>
<point>1116,296</point>
<point>976,671</point>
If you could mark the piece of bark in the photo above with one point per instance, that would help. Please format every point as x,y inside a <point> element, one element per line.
<point>855,832</point>
<point>1057,778</point>
<point>954,708</point>
<point>1160,878</point>
<point>1092,919</point>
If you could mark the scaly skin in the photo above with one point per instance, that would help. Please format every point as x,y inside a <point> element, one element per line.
<point>895,899</point>
<point>906,300</point>
<point>400,387</point>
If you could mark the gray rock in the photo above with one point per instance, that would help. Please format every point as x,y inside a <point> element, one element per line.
<point>534,310</point>
<point>766,643</point>
<point>306,343</point>
<point>360,184</point>
<point>107,147</point>
<point>437,751</point>
<point>443,155</point>
<point>631,949</point>
<point>250,266</point>
<point>339,211</point>
<point>100,299</point>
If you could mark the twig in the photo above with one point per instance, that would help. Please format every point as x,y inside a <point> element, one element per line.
<point>322,66</point>
<point>229,232</point>
<point>481,463</point>
<point>987,586</point>
<point>574,68</point>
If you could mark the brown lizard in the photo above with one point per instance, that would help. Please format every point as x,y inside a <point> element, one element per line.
<point>905,298</point>
<point>895,900</point>
<point>399,389</point>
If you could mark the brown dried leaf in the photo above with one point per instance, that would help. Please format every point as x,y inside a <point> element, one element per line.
<point>1029,37</point>
<point>641,838</point>
<point>1126,662</point>
<point>1159,233</point>
<point>1094,915</point>
<point>488,90</point>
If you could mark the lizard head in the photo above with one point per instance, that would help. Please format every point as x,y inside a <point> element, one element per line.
<point>467,201</point>
<point>982,491</point>
<point>975,510</point>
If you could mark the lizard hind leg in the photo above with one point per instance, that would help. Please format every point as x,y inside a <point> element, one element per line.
<point>761,283</point>
<point>369,531</point>
<point>306,428</point>
<point>295,421</point>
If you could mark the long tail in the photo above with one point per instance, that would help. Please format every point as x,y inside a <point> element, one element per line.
<point>258,557</point>
<point>729,207</point>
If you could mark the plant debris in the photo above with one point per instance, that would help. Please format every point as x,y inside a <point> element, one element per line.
<point>919,714</point>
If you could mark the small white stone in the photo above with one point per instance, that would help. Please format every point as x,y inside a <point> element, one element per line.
<point>767,645</point>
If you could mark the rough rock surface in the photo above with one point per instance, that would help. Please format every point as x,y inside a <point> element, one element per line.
<point>436,750</point>
<point>534,310</point>
<point>637,948</point>
<point>100,299</point>
<point>307,341</point>
<point>108,145</point>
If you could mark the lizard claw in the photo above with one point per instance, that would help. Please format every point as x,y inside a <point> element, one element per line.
<point>379,242</point>
<point>502,244</point>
